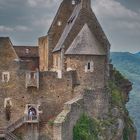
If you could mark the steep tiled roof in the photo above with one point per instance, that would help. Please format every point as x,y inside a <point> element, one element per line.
<point>76,19</point>
<point>27,51</point>
<point>4,42</point>
<point>68,27</point>
<point>85,43</point>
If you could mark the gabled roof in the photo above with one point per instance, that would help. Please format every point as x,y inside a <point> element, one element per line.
<point>6,42</point>
<point>80,12</point>
<point>68,27</point>
<point>85,43</point>
<point>27,51</point>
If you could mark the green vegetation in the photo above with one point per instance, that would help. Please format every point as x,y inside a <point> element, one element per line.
<point>50,122</point>
<point>116,95</point>
<point>86,129</point>
<point>19,136</point>
<point>129,65</point>
<point>129,129</point>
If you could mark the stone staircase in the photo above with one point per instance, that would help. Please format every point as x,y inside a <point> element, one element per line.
<point>10,136</point>
<point>7,132</point>
<point>16,124</point>
<point>2,132</point>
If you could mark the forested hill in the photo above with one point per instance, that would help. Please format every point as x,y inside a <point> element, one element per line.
<point>127,63</point>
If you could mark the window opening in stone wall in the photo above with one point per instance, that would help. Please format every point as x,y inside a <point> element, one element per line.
<point>27,51</point>
<point>73,2</point>
<point>32,113</point>
<point>8,105</point>
<point>88,66</point>
<point>71,19</point>
<point>5,77</point>
<point>59,23</point>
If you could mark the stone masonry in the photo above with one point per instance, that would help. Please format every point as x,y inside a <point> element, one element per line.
<point>69,68</point>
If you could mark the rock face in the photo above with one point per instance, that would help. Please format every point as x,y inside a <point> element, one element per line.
<point>119,88</point>
<point>114,124</point>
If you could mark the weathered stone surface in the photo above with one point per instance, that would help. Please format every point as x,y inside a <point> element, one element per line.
<point>63,78</point>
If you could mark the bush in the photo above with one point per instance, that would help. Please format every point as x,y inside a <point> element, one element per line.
<point>86,129</point>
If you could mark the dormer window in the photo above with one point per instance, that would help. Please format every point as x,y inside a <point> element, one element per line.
<point>73,2</point>
<point>5,77</point>
<point>27,51</point>
<point>89,67</point>
<point>59,23</point>
<point>71,19</point>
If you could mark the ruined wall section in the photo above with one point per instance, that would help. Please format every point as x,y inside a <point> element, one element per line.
<point>65,121</point>
<point>94,104</point>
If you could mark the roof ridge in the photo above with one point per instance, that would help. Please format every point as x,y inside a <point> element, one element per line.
<point>68,27</point>
<point>85,43</point>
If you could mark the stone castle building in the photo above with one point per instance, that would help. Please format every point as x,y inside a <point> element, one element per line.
<point>44,89</point>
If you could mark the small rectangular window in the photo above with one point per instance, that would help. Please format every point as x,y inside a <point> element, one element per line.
<point>5,77</point>
<point>89,66</point>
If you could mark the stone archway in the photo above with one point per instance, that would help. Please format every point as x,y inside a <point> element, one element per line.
<point>66,120</point>
<point>32,113</point>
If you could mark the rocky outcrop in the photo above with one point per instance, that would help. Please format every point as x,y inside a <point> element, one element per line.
<point>119,88</point>
<point>112,124</point>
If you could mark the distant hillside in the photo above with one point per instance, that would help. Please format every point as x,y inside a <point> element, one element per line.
<point>129,65</point>
<point>137,54</point>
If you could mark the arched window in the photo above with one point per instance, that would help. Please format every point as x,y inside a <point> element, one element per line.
<point>32,113</point>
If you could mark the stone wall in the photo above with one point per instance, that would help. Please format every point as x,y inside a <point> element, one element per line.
<point>94,104</point>
<point>55,30</point>
<point>51,96</point>
<point>43,53</point>
<point>65,121</point>
<point>95,79</point>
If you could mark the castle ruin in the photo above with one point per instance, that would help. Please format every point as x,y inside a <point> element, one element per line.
<point>63,77</point>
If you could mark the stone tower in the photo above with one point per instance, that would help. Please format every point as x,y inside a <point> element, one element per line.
<point>48,42</point>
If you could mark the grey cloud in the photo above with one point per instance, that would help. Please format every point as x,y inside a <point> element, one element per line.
<point>42,3</point>
<point>26,20</point>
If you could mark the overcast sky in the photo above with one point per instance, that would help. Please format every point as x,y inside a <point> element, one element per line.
<point>26,20</point>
